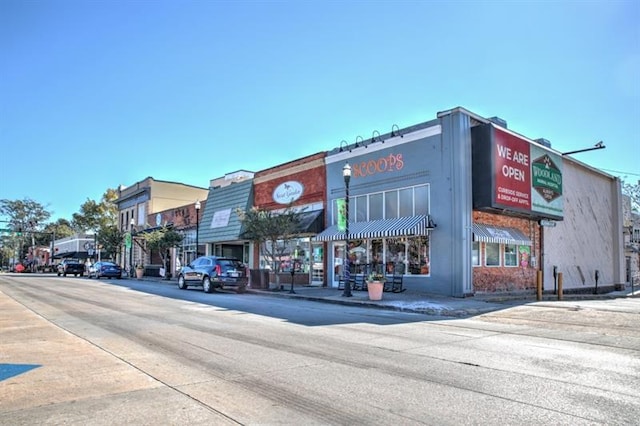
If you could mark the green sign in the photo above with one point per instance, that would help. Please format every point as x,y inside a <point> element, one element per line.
<point>342,214</point>
<point>127,240</point>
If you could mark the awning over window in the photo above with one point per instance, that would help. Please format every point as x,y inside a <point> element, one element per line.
<point>499,235</point>
<point>404,226</point>
<point>311,222</point>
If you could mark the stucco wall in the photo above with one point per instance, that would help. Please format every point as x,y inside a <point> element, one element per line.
<point>588,239</point>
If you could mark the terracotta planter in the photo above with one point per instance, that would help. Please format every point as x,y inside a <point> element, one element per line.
<point>139,273</point>
<point>375,290</point>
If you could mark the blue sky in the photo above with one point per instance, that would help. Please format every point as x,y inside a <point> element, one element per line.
<point>94,94</point>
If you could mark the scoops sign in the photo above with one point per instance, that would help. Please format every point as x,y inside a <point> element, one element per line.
<point>510,173</point>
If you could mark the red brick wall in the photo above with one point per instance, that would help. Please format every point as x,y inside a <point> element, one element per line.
<point>181,217</point>
<point>500,278</point>
<point>309,171</point>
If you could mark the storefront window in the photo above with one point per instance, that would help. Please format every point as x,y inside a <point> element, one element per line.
<point>475,253</point>
<point>360,209</point>
<point>358,255</point>
<point>510,255</point>
<point>391,204</point>
<point>289,254</point>
<point>375,206</point>
<point>418,256</point>
<point>421,199</point>
<point>395,255</point>
<point>406,202</point>
<point>492,254</point>
<point>377,257</point>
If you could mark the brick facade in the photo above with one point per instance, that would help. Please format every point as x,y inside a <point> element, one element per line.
<point>309,171</point>
<point>512,278</point>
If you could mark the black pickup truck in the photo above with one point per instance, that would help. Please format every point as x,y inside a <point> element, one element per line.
<point>71,266</point>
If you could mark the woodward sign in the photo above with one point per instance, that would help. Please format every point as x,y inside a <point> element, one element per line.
<point>510,173</point>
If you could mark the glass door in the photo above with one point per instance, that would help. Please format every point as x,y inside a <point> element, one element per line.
<point>338,262</point>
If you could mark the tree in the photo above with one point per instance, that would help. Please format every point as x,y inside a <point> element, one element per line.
<point>25,218</point>
<point>162,240</point>
<point>633,192</point>
<point>24,214</point>
<point>102,219</point>
<point>94,216</point>
<point>271,231</point>
<point>110,238</point>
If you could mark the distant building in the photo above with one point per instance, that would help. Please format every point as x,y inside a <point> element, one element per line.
<point>137,202</point>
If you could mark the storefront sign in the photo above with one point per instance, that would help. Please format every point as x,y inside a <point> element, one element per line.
<point>221,218</point>
<point>513,180</point>
<point>511,173</point>
<point>288,192</point>
<point>390,163</point>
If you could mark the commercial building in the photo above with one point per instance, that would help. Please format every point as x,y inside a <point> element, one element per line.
<point>456,204</point>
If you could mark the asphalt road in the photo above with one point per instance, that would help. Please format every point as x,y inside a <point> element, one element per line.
<point>114,352</point>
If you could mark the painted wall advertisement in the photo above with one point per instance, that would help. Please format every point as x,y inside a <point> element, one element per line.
<point>512,173</point>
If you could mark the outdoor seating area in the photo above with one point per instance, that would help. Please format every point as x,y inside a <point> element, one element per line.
<point>359,273</point>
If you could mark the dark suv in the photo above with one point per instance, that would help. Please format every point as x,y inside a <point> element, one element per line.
<point>211,272</point>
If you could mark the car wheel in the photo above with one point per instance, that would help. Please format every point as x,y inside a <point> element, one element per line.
<point>59,274</point>
<point>64,275</point>
<point>181,284</point>
<point>206,284</point>
<point>241,289</point>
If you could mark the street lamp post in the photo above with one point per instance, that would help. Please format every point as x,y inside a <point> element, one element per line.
<point>197,228</point>
<point>131,225</point>
<point>346,173</point>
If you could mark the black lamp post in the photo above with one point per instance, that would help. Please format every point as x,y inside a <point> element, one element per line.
<point>346,173</point>
<point>131,225</point>
<point>197,228</point>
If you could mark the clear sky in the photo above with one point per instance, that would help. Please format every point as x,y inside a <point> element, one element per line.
<point>94,94</point>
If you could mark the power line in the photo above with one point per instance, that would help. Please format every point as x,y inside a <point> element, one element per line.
<point>622,173</point>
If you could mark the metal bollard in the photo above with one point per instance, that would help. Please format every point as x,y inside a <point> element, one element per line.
<point>559,285</point>
<point>539,286</point>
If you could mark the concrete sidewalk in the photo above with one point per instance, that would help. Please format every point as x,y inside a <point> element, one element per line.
<point>421,302</point>
<point>429,304</point>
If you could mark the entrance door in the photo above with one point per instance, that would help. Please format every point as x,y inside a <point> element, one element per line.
<point>317,264</point>
<point>338,262</point>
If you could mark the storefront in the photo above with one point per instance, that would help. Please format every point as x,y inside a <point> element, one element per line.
<point>300,186</point>
<point>220,228</point>
<point>389,207</point>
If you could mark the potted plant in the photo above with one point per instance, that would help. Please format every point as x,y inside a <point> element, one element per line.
<point>375,285</point>
<point>139,271</point>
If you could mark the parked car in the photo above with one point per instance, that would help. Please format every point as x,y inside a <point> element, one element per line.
<point>71,266</point>
<point>211,272</point>
<point>105,269</point>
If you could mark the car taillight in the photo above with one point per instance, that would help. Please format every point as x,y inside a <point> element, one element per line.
<point>218,270</point>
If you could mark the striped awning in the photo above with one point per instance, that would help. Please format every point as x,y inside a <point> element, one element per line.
<point>499,235</point>
<point>404,226</point>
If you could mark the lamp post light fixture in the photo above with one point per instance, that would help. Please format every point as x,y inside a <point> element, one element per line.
<point>132,223</point>
<point>346,173</point>
<point>197,228</point>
